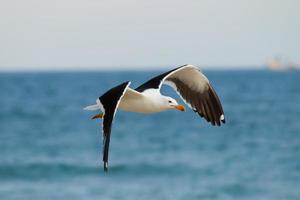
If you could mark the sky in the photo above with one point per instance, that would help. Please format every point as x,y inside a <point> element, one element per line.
<point>142,34</point>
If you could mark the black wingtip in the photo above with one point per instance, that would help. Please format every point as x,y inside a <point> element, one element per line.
<point>222,118</point>
<point>105,166</point>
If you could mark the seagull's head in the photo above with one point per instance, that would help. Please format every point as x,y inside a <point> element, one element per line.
<point>172,104</point>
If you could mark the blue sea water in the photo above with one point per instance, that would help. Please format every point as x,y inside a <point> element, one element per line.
<point>50,149</point>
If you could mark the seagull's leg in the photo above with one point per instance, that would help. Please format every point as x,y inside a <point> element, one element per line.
<point>98,116</point>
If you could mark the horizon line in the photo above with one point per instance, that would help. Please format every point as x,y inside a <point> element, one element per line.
<point>123,68</point>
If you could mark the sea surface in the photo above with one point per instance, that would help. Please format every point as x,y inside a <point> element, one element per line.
<point>51,149</point>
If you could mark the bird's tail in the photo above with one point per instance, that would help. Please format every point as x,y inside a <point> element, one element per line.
<point>92,107</point>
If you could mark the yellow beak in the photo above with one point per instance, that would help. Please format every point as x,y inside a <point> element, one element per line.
<point>98,116</point>
<point>180,107</point>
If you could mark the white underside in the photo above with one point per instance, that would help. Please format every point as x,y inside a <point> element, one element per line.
<point>145,102</point>
<point>149,101</point>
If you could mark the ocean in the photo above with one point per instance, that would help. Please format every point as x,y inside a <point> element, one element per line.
<point>51,149</point>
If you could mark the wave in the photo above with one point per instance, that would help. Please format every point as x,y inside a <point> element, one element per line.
<point>33,171</point>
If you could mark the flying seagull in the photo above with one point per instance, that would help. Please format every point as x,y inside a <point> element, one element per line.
<point>189,83</point>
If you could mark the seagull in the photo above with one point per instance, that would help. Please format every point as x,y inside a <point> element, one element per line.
<point>188,81</point>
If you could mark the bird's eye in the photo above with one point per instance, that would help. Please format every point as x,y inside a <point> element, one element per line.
<point>170,101</point>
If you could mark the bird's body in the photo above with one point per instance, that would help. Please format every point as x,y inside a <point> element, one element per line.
<point>190,84</point>
<point>149,101</point>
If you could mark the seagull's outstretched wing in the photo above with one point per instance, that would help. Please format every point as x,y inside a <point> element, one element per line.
<point>194,88</point>
<point>110,102</point>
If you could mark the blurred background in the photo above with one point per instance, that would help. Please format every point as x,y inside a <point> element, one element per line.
<point>58,56</point>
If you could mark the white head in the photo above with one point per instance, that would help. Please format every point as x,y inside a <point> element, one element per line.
<point>170,103</point>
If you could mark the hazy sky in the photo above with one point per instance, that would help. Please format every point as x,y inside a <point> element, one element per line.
<point>64,34</point>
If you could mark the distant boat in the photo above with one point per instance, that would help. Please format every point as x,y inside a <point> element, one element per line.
<point>278,64</point>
